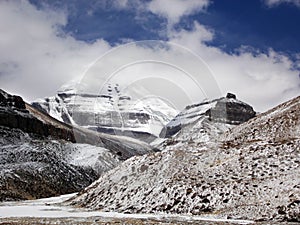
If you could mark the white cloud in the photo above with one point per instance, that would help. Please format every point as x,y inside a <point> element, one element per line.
<point>36,58</point>
<point>272,3</point>
<point>173,10</point>
<point>263,80</point>
<point>120,3</point>
<point>199,33</point>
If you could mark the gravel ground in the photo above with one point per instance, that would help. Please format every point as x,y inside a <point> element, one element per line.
<point>102,220</point>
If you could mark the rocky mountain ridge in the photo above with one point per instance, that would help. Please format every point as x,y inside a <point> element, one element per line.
<point>203,124</point>
<point>227,110</point>
<point>250,172</point>
<point>220,160</point>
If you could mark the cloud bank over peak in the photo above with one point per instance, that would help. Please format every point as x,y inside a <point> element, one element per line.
<point>262,79</point>
<point>38,56</point>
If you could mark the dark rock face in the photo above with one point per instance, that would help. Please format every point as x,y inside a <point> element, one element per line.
<point>140,135</point>
<point>38,107</point>
<point>230,95</point>
<point>227,110</point>
<point>13,114</point>
<point>231,112</point>
<point>7,100</point>
<point>26,122</point>
<point>169,131</point>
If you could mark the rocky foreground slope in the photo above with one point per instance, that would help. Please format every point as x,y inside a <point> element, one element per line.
<point>34,167</point>
<point>42,157</point>
<point>251,172</point>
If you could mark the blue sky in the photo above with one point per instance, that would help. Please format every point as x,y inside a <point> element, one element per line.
<point>252,46</point>
<point>235,23</point>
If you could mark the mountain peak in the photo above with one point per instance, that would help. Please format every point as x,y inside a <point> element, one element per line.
<point>11,101</point>
<point>227,110</point>
<point>110,111</point>
<point>230,95</point>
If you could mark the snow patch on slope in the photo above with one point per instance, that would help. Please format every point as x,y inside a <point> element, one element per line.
<point>98,158</point>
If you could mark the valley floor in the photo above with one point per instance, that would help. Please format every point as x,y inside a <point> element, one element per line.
<point>48,211</point>
<point>123,221</point>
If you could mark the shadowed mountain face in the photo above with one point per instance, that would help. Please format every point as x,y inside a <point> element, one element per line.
<point>251,171</point>
<point>15,113</point>
<point>32,167</point>
<point>39,156</point>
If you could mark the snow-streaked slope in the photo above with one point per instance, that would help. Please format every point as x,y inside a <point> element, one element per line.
<point>257,179</point>
<point>89,156</point>
<point>15,113</point>
<point>203,132</point>
<point>191,114</point>
<point>34,167</point>
<point>229,184</point>
<point>279,124</point>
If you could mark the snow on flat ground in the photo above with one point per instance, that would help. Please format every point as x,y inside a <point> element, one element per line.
<point>50,208</point>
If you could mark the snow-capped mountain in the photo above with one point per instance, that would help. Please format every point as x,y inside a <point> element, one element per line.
<point>39,156</point>
<point>251,172</point>
<point>110,112</point>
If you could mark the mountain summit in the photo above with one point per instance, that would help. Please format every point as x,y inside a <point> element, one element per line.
<point>109,112</point>
<point>226,110</point>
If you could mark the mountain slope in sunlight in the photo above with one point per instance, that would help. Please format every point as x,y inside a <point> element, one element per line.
<point>251,172</point>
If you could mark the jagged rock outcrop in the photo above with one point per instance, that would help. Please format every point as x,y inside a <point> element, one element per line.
<point>226,110</point>
<point>7,100</point>
<point>231,111</point>
<point>251,172</point>
<point>15,114</point>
